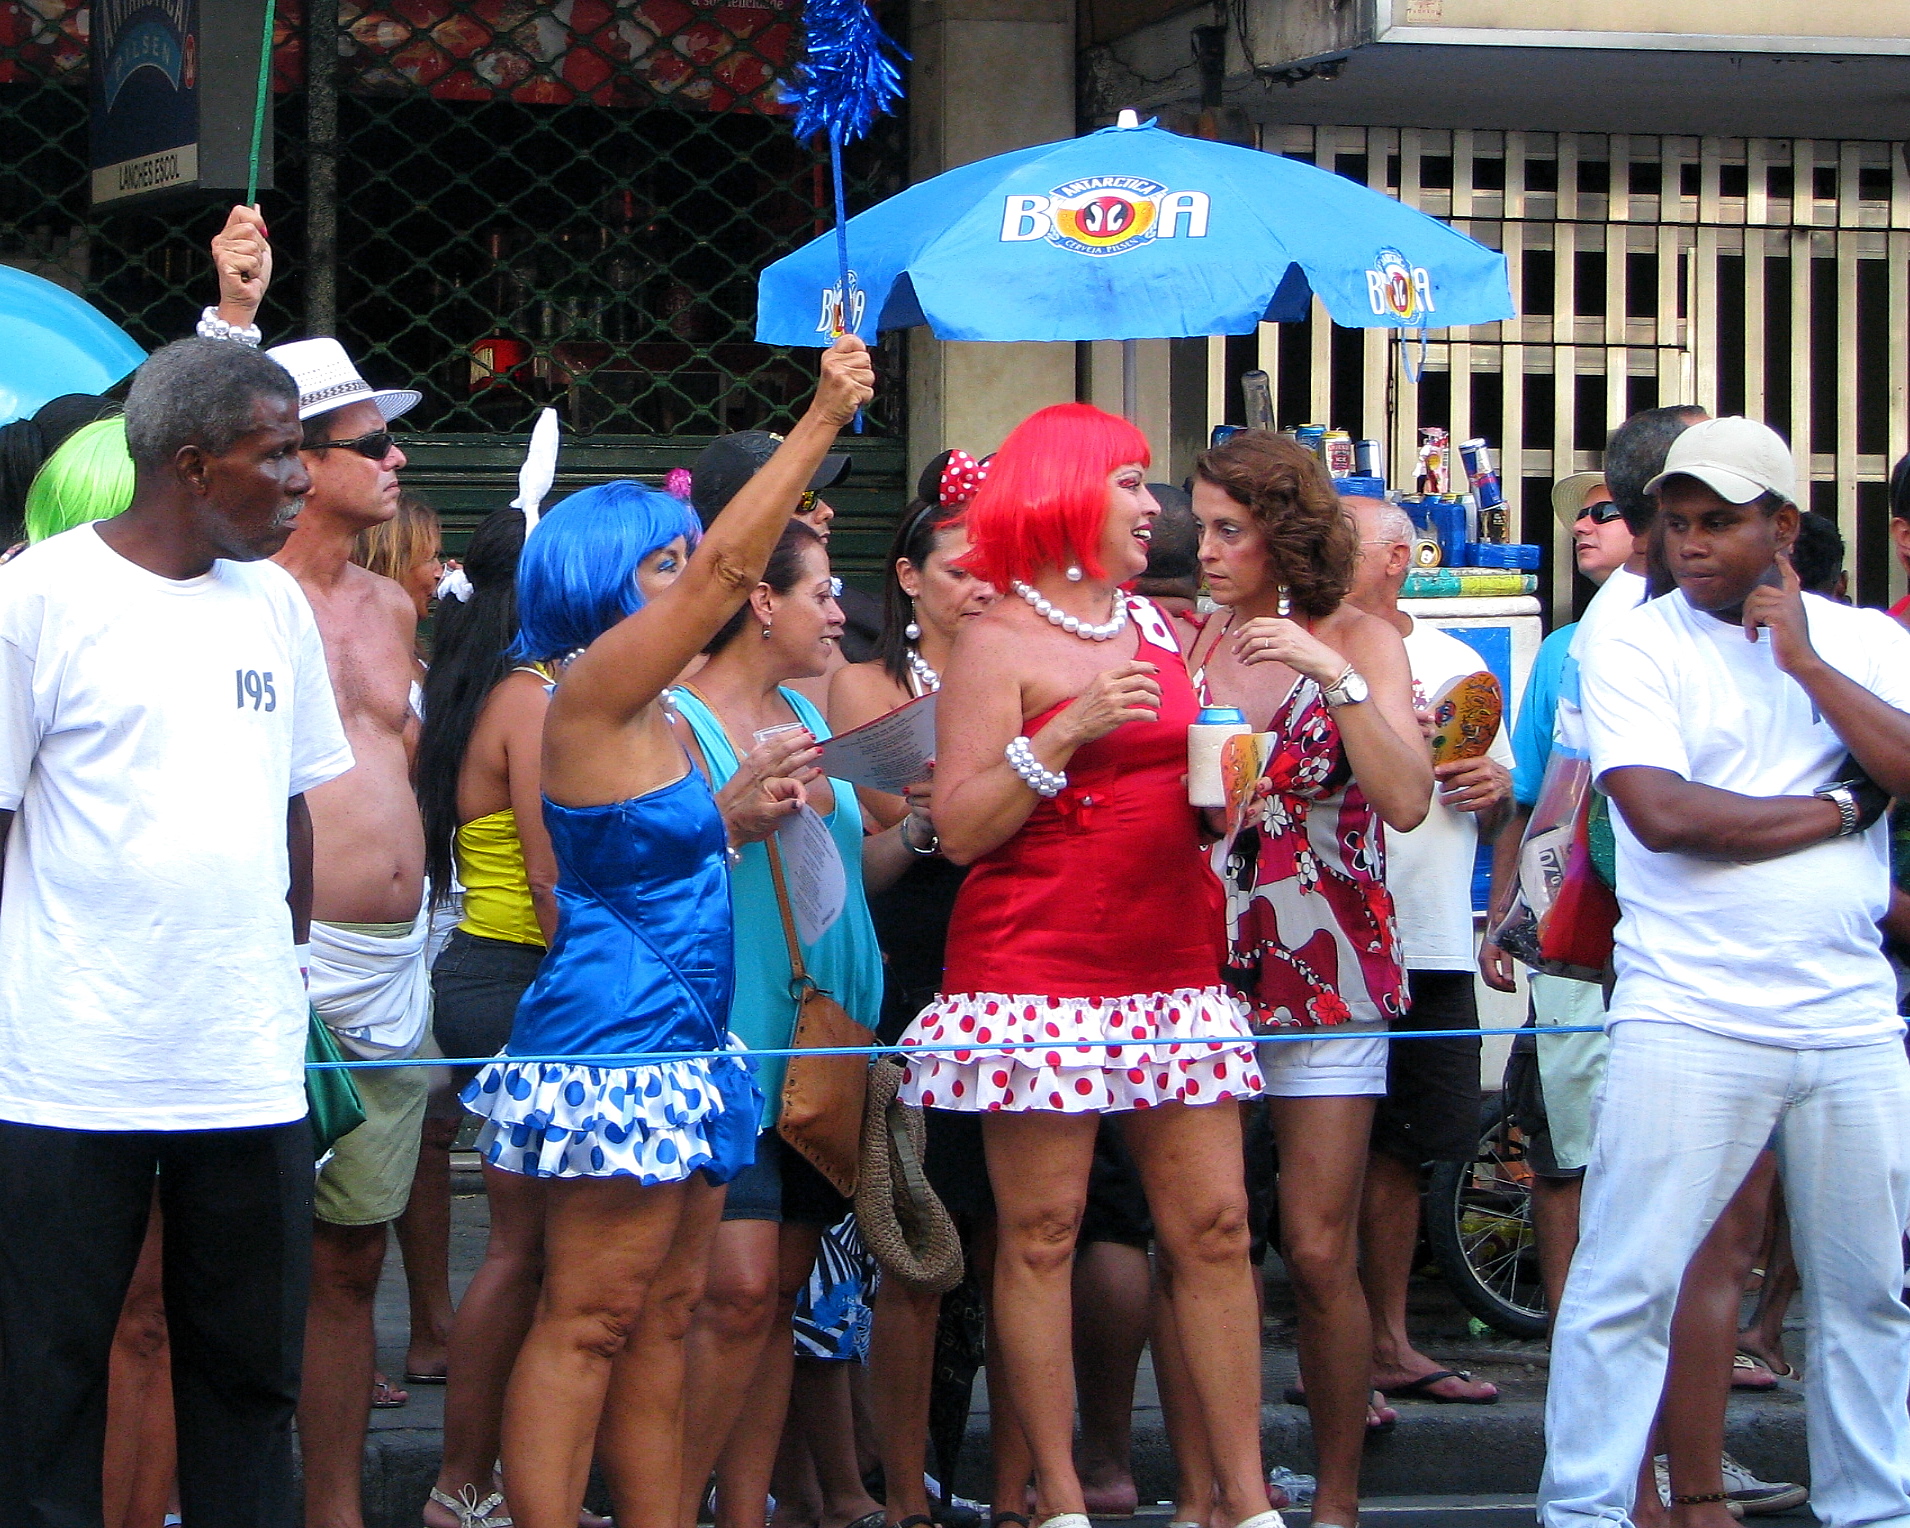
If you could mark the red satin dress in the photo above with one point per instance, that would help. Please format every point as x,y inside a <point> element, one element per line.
<point>1099,920</point>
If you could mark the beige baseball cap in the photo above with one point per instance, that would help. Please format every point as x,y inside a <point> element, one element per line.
<point>1570,492</point>
<point>1737,458</point>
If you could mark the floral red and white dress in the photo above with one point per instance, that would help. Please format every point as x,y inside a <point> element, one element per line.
<point>1312,936</point>
<point>1099,920</point>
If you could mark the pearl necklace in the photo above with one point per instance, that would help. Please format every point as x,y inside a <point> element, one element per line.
<point>1074,625</point>
<point>926,677</point>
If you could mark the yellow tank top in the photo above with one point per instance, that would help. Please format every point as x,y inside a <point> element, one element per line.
<point>497,893</point>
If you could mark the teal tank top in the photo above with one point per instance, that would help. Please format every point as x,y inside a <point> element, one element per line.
<point>846,962</point>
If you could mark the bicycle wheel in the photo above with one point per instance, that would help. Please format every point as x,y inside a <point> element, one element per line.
<point>1478,1217</point>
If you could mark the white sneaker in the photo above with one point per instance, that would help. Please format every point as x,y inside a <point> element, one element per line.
<point>1661,1472</point>
<point>1760,1496</point>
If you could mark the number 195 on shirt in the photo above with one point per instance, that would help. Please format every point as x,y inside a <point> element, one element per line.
<point>255,688</point>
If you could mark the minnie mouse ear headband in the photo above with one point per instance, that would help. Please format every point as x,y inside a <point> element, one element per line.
<point>952,478</point>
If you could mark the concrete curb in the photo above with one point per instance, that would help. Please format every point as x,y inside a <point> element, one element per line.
<point>1435,1451</point>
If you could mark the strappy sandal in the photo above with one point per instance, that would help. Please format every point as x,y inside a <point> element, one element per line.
<point>470,1511</point>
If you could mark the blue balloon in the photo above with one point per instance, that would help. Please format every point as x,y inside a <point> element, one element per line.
<point>52,342</point>
<point>1134,233</point>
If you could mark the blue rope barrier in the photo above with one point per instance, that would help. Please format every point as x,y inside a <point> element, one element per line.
<point>646,1058</point>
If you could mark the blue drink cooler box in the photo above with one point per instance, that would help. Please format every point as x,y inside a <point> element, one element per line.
<point>1360,487</point>
<point>1486,554</point>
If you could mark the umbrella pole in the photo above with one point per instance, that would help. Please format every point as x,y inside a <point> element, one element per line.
<point>1130,379</point>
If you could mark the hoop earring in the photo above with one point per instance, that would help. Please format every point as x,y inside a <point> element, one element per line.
<point>1284,609</point>
<point>913,631</point>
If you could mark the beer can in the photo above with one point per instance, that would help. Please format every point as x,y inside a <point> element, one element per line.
<point>1337,447</point>
<point>1495,523</point>
<point>1224,433</point>
<point>1369,458</point>
<point>1312,436</point>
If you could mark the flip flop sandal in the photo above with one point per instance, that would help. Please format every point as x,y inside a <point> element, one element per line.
<point>386,1396</point>
<point>1379,1419</point>
<point>1421,1390</point>
<point>423,1379</point>
<point>1745,1369</point>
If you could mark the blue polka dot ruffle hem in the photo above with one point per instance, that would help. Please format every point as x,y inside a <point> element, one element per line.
<point>657,1123</point>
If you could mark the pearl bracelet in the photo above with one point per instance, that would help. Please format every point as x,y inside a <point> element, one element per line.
<point>213,327</point>
<point>1046,783</point>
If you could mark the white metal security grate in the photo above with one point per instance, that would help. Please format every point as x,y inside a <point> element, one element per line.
<point>1769,277</point>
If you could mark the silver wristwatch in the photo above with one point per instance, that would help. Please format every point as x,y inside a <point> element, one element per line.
<point>1348,690</point>
<point>1839,795</point>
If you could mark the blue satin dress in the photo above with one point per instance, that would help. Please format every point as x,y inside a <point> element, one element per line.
<point>643,962</point>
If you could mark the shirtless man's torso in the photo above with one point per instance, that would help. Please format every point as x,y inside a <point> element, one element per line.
<point>368,842</point>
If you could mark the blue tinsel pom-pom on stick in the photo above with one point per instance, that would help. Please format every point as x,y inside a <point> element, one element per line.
<point>848,75</point>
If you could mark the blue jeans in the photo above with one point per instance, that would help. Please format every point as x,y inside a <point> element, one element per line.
<point>1682,1116</point>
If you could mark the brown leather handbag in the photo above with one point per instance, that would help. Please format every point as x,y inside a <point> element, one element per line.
<point>823,1096</point>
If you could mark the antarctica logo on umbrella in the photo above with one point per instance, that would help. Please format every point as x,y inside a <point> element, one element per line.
<point>1104,215</point>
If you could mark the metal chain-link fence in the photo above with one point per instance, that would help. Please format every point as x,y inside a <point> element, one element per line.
<point>561,202</point>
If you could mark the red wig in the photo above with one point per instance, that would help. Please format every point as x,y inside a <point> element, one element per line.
<point>1046,497</point>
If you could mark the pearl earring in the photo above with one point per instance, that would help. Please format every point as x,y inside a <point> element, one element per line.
<point>765,633</point>
<point>1074,575</point>
<point>1283,609</point>
<point>913,631</point>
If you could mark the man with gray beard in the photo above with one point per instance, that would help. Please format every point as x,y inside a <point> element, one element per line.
<point>164,708</point>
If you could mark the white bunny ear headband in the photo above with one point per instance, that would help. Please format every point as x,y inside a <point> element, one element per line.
<point>533,485</point>
<point>539,470</point>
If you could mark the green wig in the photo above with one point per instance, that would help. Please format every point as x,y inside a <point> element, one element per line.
<point>89,478</point>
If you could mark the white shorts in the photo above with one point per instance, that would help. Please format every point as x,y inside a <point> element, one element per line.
<point>1350,1065</point>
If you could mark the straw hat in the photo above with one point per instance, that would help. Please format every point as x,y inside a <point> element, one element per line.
<point>903,1224</point>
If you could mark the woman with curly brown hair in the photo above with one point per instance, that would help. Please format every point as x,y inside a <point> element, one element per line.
<point>1312,943</point>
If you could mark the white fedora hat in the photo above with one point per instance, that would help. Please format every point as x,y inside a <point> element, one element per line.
<point>327,380</point>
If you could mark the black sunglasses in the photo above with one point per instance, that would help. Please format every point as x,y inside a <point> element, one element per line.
<point>1601,513</point>
<point>373,447</point>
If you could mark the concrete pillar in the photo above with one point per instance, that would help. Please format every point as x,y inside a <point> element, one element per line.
<point>988,76</point>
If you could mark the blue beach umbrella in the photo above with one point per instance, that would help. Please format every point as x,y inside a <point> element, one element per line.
<point>1134,233</point>
<point>52,342</point>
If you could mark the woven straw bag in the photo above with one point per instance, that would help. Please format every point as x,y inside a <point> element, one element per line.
<point>904,1225</point>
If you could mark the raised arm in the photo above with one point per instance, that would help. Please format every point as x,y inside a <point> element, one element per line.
<point>1384,742</point>
<point>1876,732</point>
<point>242,259</point>
<point>626,668</point>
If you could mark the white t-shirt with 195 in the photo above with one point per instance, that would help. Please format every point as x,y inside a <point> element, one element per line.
<point>1429,870</point>
<point>1781,951</point>
<point>152,731</point>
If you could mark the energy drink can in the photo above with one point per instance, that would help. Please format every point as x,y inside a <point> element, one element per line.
<point>1313,437</point>
<point>1369,458</point>
<point>1337,448</point>
<point>1477,455</point>
<point>1224,433</point>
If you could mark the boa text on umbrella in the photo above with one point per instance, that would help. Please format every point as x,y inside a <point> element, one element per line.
<point>1104,215</point>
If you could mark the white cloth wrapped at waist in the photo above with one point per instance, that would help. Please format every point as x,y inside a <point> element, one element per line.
<point>373,993</point>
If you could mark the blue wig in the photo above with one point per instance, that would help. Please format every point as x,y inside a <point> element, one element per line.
<point>577,576</point>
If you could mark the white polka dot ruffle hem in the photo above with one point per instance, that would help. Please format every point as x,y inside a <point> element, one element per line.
<point>1191,1046</point>
<point>657,1123</point>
